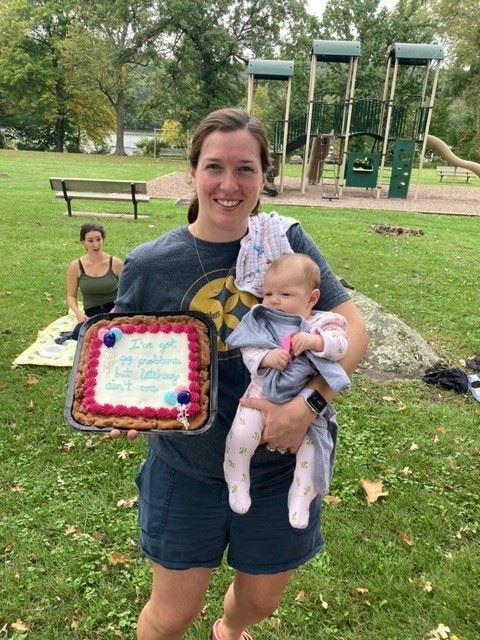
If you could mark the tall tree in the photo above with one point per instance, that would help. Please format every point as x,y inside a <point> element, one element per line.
<point>116,34</point>
<point>460,26</point>
<point>205,48</point>
<point>35,97</point>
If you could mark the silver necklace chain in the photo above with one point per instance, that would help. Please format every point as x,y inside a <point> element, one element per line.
<point>199,259</point>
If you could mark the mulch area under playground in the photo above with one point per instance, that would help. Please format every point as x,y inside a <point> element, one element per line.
<point>449,199</point>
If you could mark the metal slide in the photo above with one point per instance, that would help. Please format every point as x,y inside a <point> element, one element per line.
<point>443,150</point>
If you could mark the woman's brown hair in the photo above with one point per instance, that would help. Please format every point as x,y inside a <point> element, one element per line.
<point>226,120</point>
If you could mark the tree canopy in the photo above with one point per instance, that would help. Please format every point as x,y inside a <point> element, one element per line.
<point>76,70</point>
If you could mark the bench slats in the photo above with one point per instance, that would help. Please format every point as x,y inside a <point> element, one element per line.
<point>96,189</point>
<point>120,197</point>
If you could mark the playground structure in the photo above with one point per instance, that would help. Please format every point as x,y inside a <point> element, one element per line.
<point>331,122</point>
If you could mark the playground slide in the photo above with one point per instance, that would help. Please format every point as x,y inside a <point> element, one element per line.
<point>443,150</point>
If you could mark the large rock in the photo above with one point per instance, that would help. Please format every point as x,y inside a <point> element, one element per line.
<point>395,350</point>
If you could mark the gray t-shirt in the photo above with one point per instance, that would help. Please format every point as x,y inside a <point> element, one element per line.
<point>173,273</point>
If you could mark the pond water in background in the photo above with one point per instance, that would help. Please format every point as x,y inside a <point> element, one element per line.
<point>130,140</point>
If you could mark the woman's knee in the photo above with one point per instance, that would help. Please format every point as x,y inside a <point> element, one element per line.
<point>166,622</point>
<point>260,605</point>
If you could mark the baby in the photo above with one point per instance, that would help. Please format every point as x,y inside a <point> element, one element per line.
<point>284,343</point>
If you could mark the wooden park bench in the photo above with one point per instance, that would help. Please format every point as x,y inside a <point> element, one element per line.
<point>455,171</point>
<point>167,152</point>
<point>90,189</point>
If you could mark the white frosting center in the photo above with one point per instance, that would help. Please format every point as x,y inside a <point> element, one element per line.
<point>143,370</point>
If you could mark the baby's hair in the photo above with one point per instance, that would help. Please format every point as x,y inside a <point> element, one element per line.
<point>301,264</point>
<point>91,226</point>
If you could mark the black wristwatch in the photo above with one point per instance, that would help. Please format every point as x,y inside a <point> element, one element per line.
<point>315,401</point>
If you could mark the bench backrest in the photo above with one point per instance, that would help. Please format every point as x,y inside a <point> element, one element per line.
<point>97,186</point>
<point>452,169</point>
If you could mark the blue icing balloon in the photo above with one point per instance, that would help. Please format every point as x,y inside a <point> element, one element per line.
<point>109,339</point>
<point>170,398</point>
<point>184,397</point>
<point>117,333</point>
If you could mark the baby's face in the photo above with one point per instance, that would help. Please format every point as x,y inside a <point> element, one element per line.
<point>284,292</point>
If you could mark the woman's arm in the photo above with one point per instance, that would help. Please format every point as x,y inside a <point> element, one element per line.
<point>72,291</point>
<point>287,424</point>
<point>117,266</point>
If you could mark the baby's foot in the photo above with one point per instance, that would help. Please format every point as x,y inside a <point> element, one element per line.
<point>239,497</point>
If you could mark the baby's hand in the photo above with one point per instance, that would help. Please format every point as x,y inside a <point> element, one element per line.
<point>276,359</point>
<point>304,341</point>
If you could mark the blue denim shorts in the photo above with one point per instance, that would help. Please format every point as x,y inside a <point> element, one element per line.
<point>185,524</point>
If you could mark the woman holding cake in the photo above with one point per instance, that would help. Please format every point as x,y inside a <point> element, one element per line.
<point>216,265</point>
<point>96,274</point>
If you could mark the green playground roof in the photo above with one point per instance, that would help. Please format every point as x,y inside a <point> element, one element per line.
<point>270,69</point>
<point>336,50</point>
<point>411,54</point>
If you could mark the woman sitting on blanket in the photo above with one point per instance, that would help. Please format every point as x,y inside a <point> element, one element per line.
<point>96,274</point>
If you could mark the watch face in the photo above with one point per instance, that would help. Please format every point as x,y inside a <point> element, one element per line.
<point>317,402</point>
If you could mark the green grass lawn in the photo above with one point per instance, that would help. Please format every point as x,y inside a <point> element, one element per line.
<point>70,563</point>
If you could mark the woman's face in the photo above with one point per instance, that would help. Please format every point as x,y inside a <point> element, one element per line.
<point>228,181</point>
<point>93,241</point>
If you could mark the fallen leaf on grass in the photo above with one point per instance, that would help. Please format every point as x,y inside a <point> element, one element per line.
<point>31,379</point>
<point>440,633</point>
<point>70,531</point>
<point>16,488</point>
<point>301,597</point>
<point>48,296</point>
<point>127,504</point>
<point>19,626</point>
<point>407,542</point>
<point>332,501</point>
<point>414,447</point>
<point>363,595</point>
<point>122,455</point>
<point>117,559</point>
<point>373,490</point>
<point>428,587</point>
<point>274,623</point>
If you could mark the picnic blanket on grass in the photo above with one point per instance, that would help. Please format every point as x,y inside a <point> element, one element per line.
<point>44,351</point>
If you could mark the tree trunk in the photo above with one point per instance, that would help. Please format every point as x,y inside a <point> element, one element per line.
<point>60,134</point>
<point>60,118</point>
<point>120,125</point>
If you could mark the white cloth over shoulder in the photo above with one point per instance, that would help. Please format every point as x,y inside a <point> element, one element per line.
<point>265,242</point>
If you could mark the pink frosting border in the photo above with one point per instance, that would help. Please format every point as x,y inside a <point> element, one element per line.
<point>120,410</point>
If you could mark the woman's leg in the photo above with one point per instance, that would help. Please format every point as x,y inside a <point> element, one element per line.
<point>176,599</point>
<point>250,599</point>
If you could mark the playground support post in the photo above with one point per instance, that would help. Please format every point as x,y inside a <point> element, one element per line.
<point>349,95</point>
<point>427,124</point>
<point>311,91</point>
<point>386,132</point>
<point>285,133</point>
<point>250,94</point>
